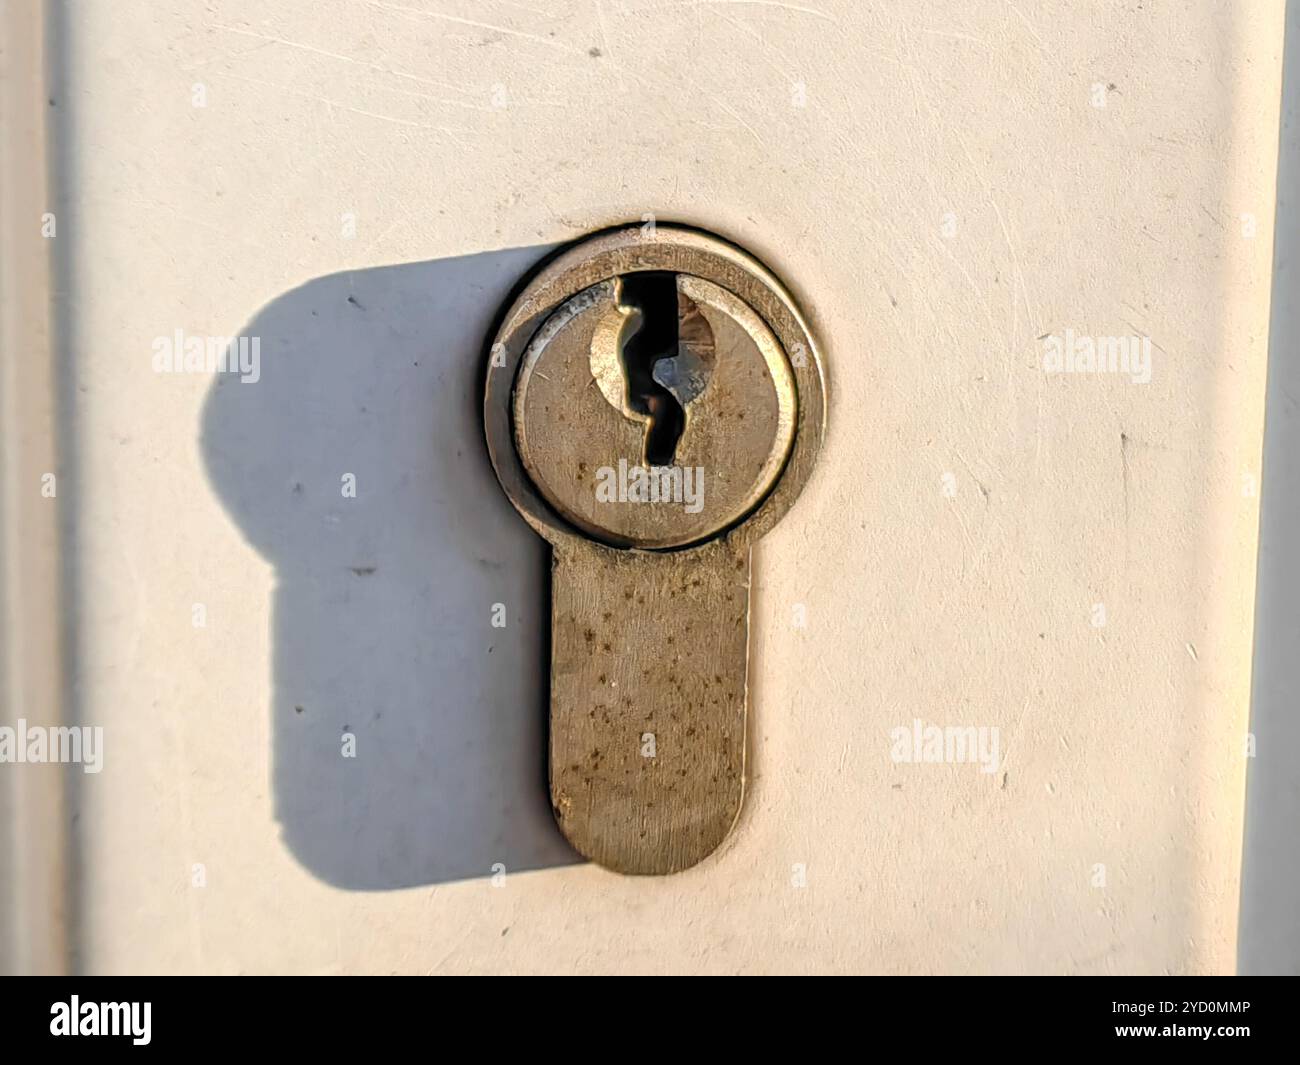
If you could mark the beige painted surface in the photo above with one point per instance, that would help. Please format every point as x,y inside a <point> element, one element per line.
<point>937,184</point>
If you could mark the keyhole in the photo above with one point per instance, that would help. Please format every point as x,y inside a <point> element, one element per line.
<point>652,296</point>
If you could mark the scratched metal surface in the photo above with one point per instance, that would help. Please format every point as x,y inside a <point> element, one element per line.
<point>648,699</point>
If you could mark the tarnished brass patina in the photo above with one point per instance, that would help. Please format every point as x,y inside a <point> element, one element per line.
<point>654,403</point>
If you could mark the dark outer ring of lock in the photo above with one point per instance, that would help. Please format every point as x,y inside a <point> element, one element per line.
<point>628,250</point>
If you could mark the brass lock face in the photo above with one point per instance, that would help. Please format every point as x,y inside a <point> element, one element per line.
<point>654,403</point>
<point>690,422</point>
